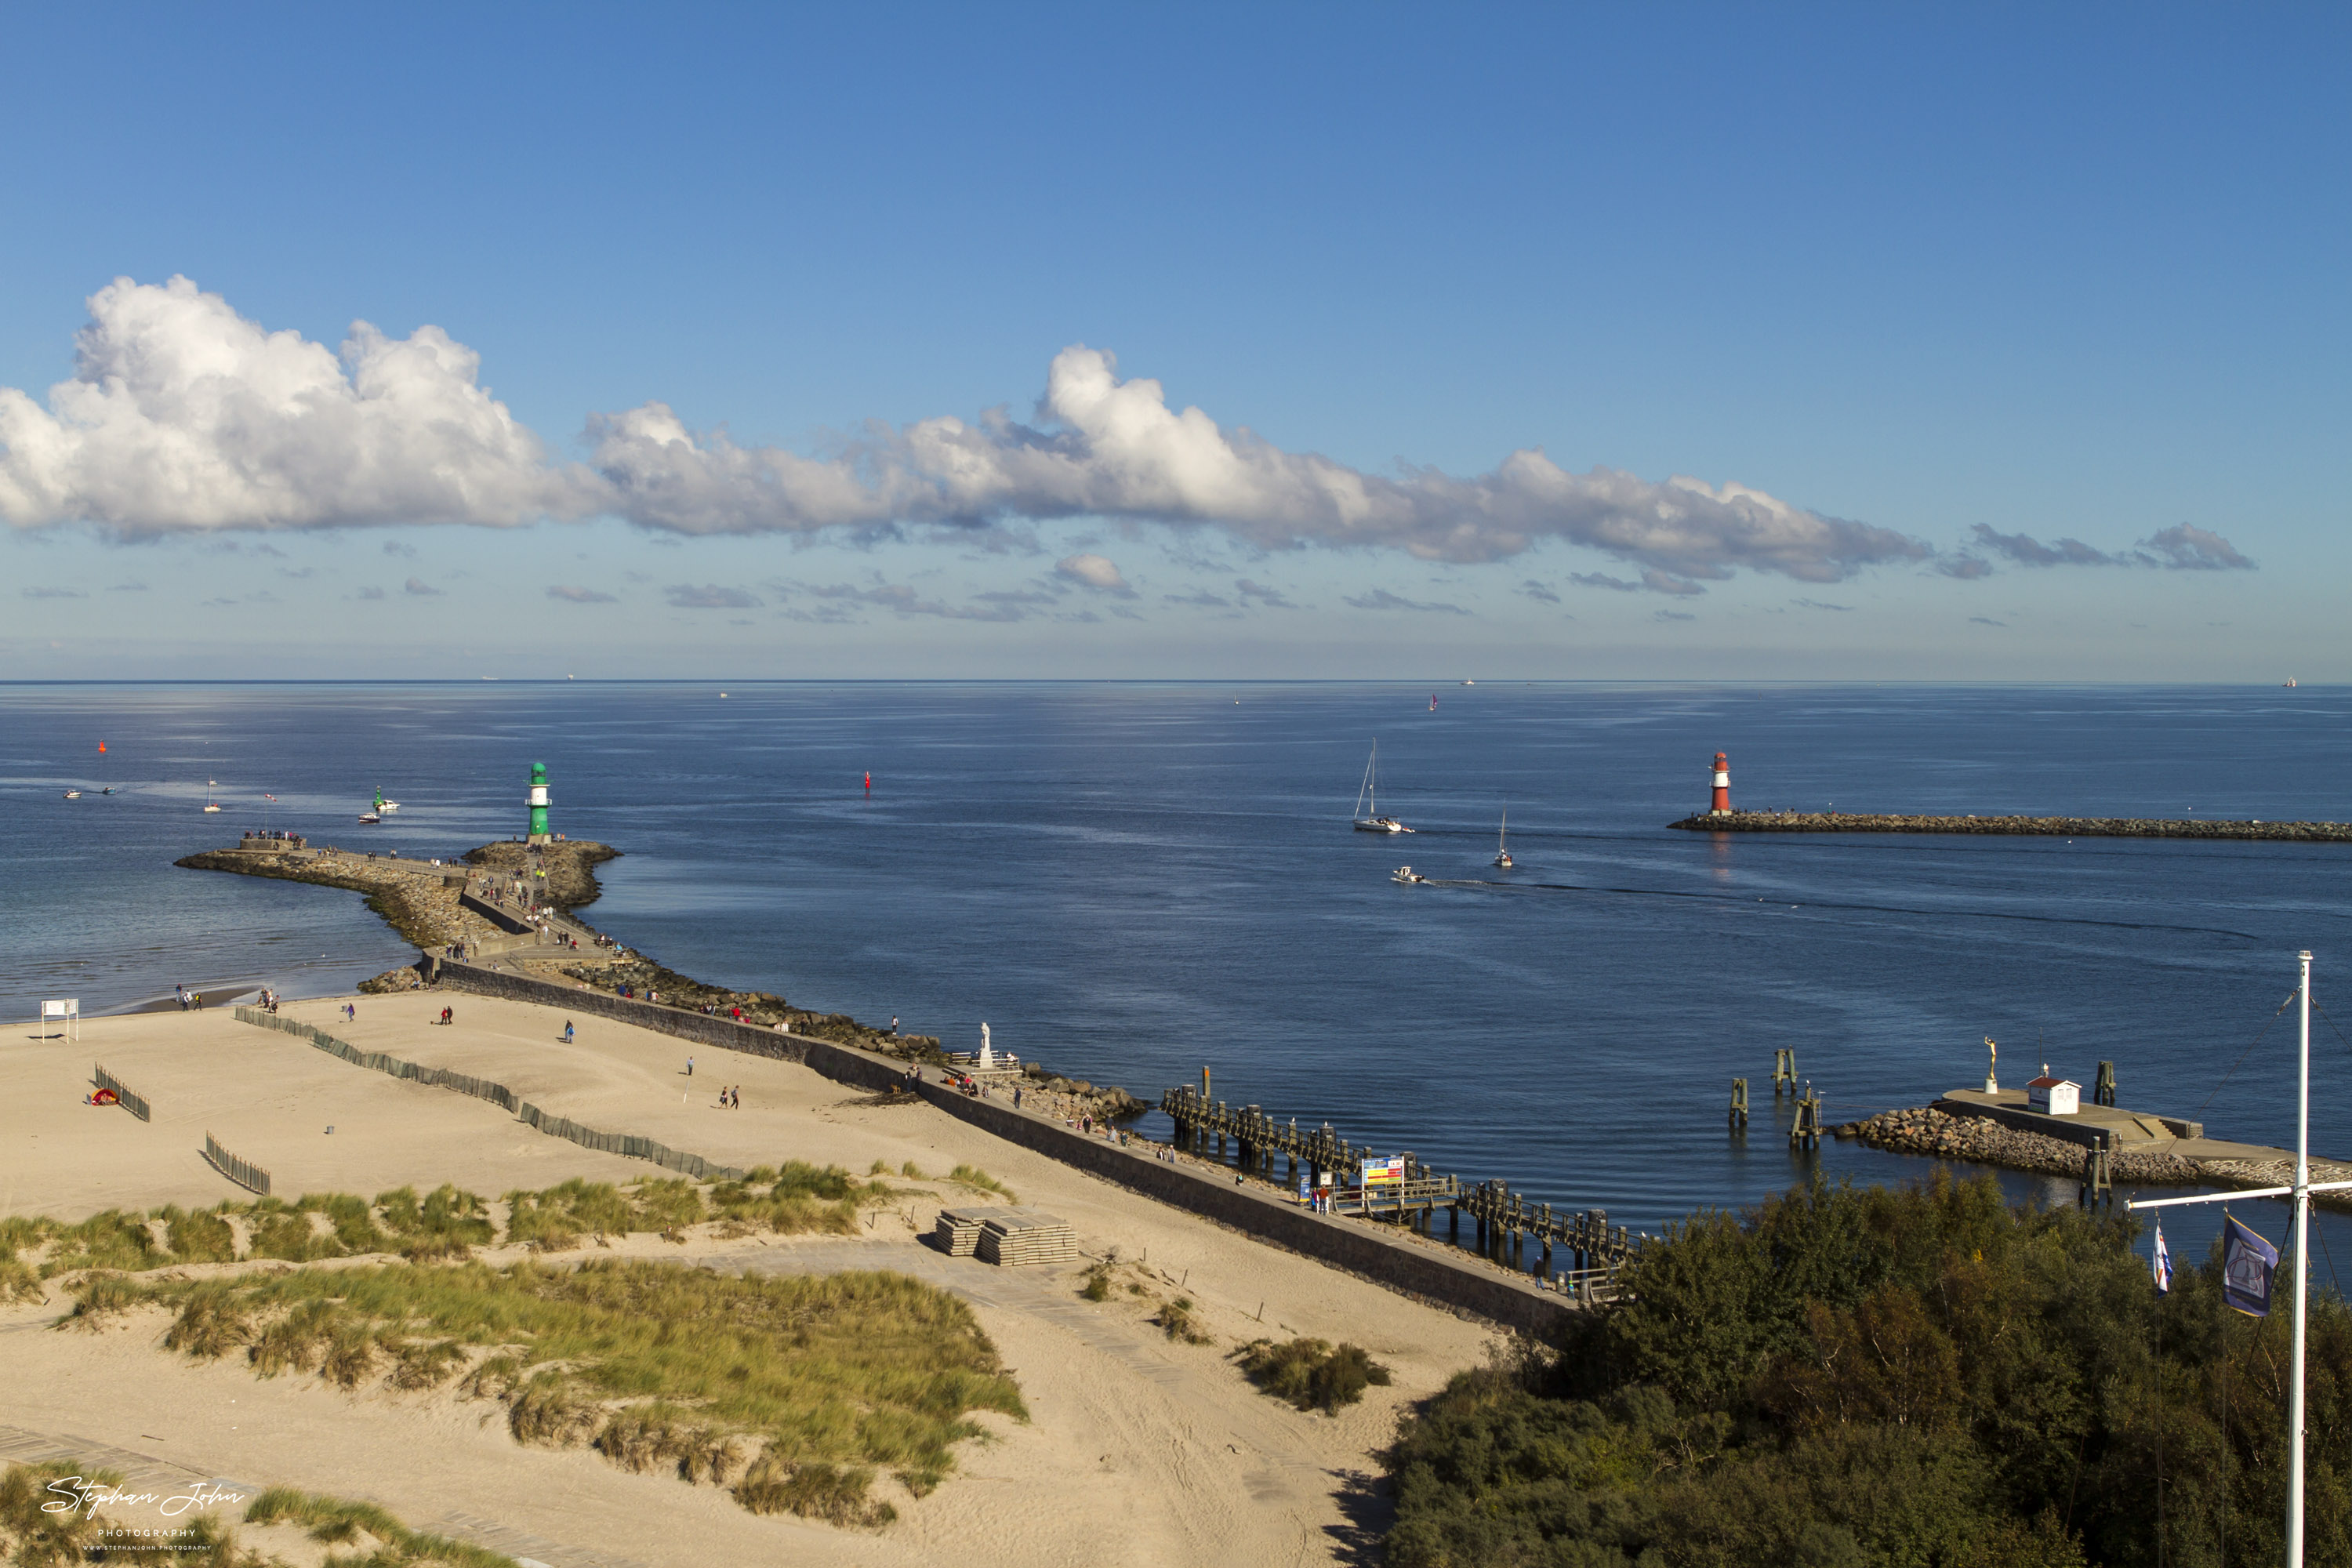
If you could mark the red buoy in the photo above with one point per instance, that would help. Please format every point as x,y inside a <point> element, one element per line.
<point>1722,806</point>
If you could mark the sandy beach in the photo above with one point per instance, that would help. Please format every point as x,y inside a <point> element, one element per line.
<point>1139,1449</point>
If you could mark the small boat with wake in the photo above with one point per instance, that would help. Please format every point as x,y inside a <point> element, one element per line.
<point>1373,822</point>
<point>73,795</point>
<point>1406,874</point>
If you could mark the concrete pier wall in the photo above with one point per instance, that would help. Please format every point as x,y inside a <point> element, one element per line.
<point>1355,1245</point>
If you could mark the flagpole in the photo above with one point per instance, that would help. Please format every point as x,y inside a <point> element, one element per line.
<point>2302,1275</point>
<point>2301,1193</point>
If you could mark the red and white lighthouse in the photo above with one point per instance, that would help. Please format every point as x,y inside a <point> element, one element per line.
<point>1722,806</point>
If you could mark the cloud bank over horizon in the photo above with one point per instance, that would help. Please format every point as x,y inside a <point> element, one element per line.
<point>184,417</point>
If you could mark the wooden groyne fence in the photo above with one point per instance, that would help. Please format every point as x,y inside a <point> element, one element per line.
<point>2031,827</point>
<point>135,1103</point>
<point>244,1173</point>
<point>1506,1223</point>
<point>626,1144</point>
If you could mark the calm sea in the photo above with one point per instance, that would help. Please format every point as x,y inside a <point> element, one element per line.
<point>1133,881</point>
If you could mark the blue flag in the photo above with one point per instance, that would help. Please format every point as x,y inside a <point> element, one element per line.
<point>2163,1262</point>
<point>2247,1264</point>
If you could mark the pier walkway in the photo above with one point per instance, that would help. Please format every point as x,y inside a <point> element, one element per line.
<point>1505,1224</point>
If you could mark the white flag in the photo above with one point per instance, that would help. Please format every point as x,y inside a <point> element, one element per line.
<point>2163,1262</point>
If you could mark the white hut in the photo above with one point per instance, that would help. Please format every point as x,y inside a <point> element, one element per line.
<point>2053,1096</point>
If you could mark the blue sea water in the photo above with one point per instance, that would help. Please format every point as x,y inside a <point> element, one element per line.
<point>1132,882</point>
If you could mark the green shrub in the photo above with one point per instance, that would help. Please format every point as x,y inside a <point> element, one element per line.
<point>1312,1373</point>
<point>1865,1376</point>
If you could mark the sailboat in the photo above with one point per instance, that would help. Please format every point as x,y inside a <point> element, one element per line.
<point>210,786</point>
<point>1502,841</point>
<point>1374,822</point>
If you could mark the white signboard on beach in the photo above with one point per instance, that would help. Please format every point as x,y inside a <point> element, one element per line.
<point>62,1007</point>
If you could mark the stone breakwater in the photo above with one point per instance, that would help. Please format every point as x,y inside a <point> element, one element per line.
<point>1983,1140</point>
<point>419,899</point>
<point>414,897</point>
<point>1987,1143</point>
<point>2034,826</point>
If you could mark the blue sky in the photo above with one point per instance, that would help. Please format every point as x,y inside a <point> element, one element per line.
<point>690,324</point>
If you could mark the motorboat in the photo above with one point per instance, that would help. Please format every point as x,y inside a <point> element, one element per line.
<point>370,818</point>
<point>73,795</point>
<point>1406,874</point>
<point>1372,821</point>
<point>384,807</point>
<point>1503,842</point>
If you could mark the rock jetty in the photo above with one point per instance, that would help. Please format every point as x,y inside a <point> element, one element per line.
<point>420,898</point>
<point>1985,1141</point>
<point>2035,826</point>
<point>416,898</point>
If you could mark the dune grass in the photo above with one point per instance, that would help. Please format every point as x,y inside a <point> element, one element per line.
<point>796,1391</point>
<point>445,1224</point>
<point>979,1180</point>
<point>340,1522</point>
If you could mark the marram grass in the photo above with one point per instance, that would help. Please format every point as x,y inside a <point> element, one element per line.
<point>793,1389</point>
<point>446,1223</point>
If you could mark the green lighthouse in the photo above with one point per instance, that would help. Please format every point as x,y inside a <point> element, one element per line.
<point>539,834</point>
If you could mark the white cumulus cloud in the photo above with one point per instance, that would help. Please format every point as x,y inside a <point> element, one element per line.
<point>1109,448</point>
<point>184,415</point>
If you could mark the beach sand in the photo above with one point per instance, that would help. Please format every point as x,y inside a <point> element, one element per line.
<point>1139,1449</point>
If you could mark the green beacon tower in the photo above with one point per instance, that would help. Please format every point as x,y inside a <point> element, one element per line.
<point>539,834</point>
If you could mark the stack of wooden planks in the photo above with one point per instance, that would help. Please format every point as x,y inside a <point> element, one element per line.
<point>957,1234</point>
<point>1017,1237</point>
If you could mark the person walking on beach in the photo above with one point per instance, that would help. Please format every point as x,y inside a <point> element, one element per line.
<point>689,1067</point>
<point>567,1031</point>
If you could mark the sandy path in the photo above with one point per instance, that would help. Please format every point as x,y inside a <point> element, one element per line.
<point>1138,1451</point>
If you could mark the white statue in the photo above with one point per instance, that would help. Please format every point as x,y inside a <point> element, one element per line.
<point>987,1056</point>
